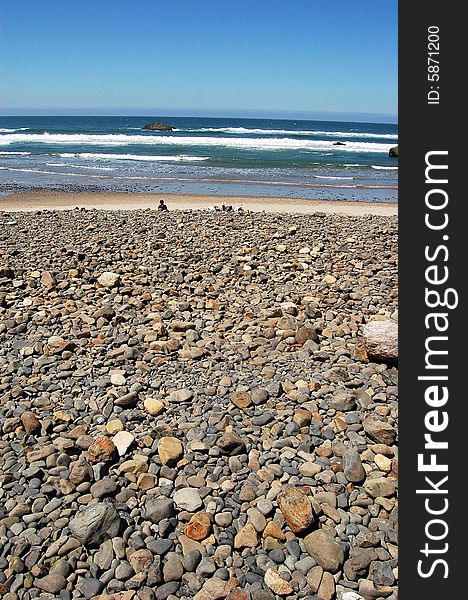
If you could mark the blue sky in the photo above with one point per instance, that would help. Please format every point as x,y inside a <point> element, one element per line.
<point>207,57</point>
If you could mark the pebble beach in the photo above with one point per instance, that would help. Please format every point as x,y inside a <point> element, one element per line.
<point>198,405</point>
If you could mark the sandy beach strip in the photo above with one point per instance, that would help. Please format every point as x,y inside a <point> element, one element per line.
<point>60,200</point>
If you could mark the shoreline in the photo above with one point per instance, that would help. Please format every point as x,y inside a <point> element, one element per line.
<point>30,201</point>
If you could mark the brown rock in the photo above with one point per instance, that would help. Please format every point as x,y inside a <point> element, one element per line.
<point>154,406</point>
<point>241,398</point>
<point>379,431</point>
<point>296,508</point>
<point>238,594</point>
<point>324,550</point>
<point>47,279</point>
<point>314,577</point>
<point>274,530</point>
<point>326,590</point>
<point>302,417</point>
<point>230,444</point>
<point>306,333</point>
<point>146,481</point>
<point>246,538</point>
<point>170,450</point>
<point>80,471</point>
<point>101,450</point>
<point>30,422</point>
<point>379,487</point>
<point>141,560</point>
<point>199,527</point>
<point>214,589</point>
<point>40,454</point>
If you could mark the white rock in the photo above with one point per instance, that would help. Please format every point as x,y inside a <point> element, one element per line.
<point>123,440</point>
<point>351,596</point>
<point>118,379</point>
<point>109,279</point>
<point>381,339</point>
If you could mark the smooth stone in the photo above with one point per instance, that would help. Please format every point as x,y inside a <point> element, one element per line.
<point>188,499</point>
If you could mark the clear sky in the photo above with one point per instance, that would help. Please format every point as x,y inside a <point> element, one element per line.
<point>199,57</point>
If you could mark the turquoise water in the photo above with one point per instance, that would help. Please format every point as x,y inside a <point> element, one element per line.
<point>266,157</point>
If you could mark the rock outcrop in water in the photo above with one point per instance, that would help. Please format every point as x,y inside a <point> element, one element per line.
<point>158,126</point>
<point>393,152</point>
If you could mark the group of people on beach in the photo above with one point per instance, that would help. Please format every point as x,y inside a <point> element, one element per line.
<point>224,207</point>
<point>227,207</point>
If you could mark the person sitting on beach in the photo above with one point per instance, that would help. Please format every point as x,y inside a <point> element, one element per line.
<point>162,205</point>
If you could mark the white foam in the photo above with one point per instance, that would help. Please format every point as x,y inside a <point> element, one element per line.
<point>384,168</point>
<point>14,153</point>
<point>149,140</point>
<point>329,177</point>
<point>6,130</point>
<point>140,157</point>
<point>341,134</point>
<point>59,164</point>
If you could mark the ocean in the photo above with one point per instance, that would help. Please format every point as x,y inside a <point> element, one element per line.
<point>242,157</point>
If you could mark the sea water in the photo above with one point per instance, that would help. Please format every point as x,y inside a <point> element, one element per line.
<point>245,157</point>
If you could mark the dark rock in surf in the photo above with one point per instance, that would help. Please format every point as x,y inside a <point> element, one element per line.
<point>158,127</point>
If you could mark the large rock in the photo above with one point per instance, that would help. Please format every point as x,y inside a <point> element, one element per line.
<point>246,538</point>
<point>213,589</point>
<point>156,126</point>
<point>95,524</point>
<point>188,499</point>
<point>170,450</point>
<point>158,509</point>
<point>52,583</point>
<point>352,466</point>
<point>30,422</point>
<point>393,152</point>
<point>358,562</point>
<point>380,487</point>
<point>199,527</point>
<point>109,279</point>
<point>296,508</point>
<point>381,340</point>
<point>379,431</point>
<point>323,549</point>
<point>230,444</point>
<point>102,449</point>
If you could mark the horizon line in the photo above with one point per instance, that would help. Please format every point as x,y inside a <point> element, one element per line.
<point>205,113</point>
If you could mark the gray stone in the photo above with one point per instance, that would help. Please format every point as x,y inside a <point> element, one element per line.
<point>52,583</point>
<point>173,568</point>
<point>188,499</point>
<point>352,466</point>
<point>90,587</point>
<point>159,508</point>
<point>95,524</point>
